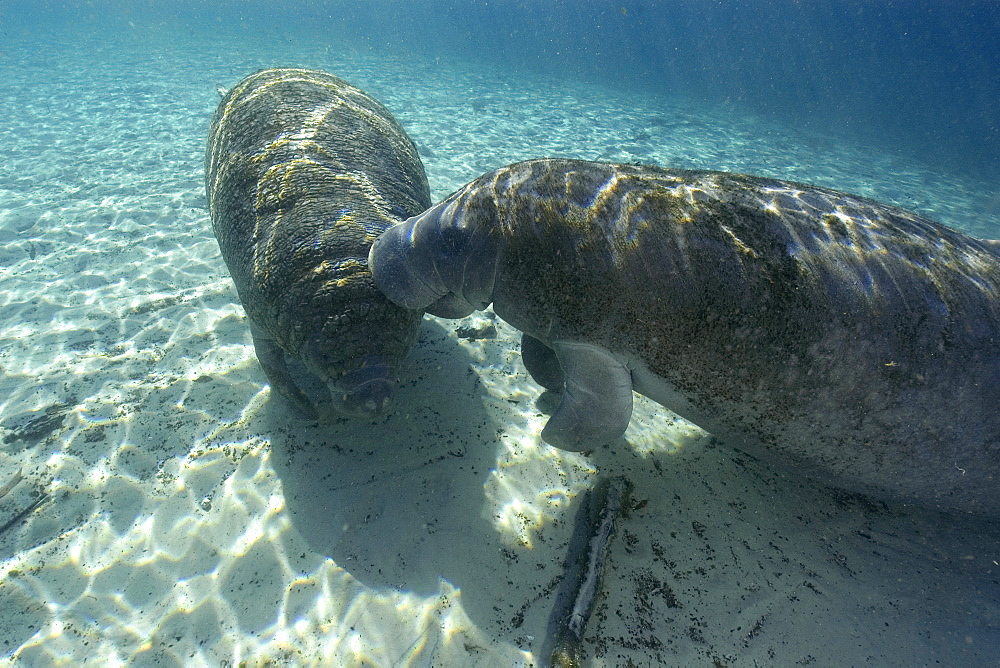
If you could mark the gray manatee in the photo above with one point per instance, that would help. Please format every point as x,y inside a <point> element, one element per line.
<point>852,340</point>
<point>303,172</point>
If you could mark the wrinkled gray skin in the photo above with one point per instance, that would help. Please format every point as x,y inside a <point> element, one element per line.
<point>303,171</point>
<point>852,340</point>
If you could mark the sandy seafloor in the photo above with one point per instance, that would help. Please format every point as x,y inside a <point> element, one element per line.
<point>180,516</point>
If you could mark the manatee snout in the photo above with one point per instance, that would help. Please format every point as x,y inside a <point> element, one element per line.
<point>442,261</point>
<point>409,279</point>
<point>366,392</point>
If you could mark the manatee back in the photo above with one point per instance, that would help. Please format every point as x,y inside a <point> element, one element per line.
<point>849,338</point>
<point>303,171</point>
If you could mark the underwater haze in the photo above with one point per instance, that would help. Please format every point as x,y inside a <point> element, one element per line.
<point>159,505</point>
<point>914,77</point>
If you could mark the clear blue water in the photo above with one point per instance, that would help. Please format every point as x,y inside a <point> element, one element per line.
<point>170,487</point>
<point>917,78</point>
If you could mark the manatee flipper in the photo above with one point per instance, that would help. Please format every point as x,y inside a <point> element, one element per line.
<point>272,360</point>
<point>542,363</point>
<point>597,403</point>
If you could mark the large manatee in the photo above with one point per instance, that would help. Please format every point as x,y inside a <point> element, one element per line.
<point>303,171</point>
<point>848,338</point>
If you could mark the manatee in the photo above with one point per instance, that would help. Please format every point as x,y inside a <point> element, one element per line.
<point>303,171</point>
<point>833,334</point>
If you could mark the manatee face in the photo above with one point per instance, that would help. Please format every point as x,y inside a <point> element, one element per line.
<point>365,392</point>
<point>368,391</point>
<point>442,261</point>
<point>361,378</point>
